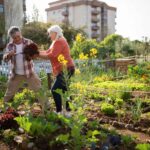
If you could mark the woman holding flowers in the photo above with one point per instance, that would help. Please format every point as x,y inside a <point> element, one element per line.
<point>60,58</point>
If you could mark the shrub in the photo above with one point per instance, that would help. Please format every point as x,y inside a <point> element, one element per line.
<point>125,95</point>
<point>83,45</point>
<point>109,43</point>
<point>140,71</point>
<point>107,109</point>
<point>118,102</point>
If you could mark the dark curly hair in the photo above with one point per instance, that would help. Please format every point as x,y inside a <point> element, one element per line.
<point>30,51</point>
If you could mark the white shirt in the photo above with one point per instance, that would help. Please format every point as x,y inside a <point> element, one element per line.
<point>19,69</point>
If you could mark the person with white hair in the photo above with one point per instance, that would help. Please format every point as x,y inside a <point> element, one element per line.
<point>59,47</point>
<point>21,69</point>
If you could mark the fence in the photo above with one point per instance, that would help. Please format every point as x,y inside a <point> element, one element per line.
<point>38,66</point>
<point>46,67</point>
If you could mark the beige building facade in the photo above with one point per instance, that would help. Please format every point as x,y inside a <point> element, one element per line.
<point>96,17</point>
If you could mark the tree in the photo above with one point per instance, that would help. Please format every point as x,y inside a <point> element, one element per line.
<point>109,44</point>
<point>36,31</point>
<point>71,32</point>
<point>127,47</point>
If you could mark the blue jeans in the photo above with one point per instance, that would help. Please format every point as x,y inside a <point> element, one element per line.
<point>60,83</point>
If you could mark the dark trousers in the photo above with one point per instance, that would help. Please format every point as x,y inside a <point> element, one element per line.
<point>61,83</point>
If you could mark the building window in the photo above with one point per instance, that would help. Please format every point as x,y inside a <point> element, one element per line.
<point>1,8</point>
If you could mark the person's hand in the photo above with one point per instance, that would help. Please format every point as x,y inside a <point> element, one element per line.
<point>11,53</point>
<point>35,56</point>
<point>8,56</point>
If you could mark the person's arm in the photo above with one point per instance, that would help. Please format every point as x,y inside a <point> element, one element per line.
<point>56,50</point>
<point>43,55</point>
<point>8,54</point>
<point>53,53</point>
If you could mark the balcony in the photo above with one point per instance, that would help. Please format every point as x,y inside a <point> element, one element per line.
<point>65,13</point>
<point>94,19</point>
<point>95,12</point>
<point>104,21</point>
<point>95,27</point>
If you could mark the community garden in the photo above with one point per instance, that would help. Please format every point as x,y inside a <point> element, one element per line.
<point>110,109</point>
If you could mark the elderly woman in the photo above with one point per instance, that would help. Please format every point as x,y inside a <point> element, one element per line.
<point>59,47</point>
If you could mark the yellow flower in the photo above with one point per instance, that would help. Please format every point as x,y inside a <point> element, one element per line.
<point>77,71</point>
<point>78,86</point>
<point>93,52</point>
<point>83,57</point>
<point>79,37</point>
<point>62,60</point>
<point>65,62</point>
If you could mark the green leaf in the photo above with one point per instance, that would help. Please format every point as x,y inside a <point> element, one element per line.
<point>64,138</point>
<point>143,147</point>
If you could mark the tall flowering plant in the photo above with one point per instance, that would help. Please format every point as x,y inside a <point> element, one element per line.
<point>65,79</point>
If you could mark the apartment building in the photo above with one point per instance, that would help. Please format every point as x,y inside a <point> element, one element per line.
<point>96,17</point>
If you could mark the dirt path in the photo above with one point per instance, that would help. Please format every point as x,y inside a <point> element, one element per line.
<point>140,136</point>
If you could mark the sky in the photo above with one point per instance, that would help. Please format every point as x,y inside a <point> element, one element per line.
<point>132,19</point>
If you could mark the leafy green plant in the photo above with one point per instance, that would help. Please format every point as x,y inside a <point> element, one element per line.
<point>136,110</point>
<point>8,135</point>
<point>36,126</point>
<point>127,139</point>
<point>143,146</point>
<point>63,138</point>
<point>40,127</point>
<point>107,108</point>
<point>93,124</point>
<point>96,96</point>
<point>91,136</point>
<point>26,96</point>
<point>24,123</point>
<point>125,95</point>
<point>120,113</point>
<point>118,102</point>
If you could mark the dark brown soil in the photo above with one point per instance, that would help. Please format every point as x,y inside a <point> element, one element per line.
<point>4,146</point>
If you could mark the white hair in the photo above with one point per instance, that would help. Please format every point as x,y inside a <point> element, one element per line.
<point>57,29</point>
<point>12,30</point>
